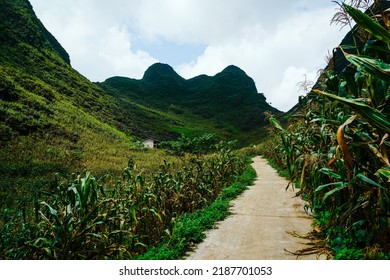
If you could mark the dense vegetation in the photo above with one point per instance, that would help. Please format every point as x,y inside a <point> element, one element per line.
<point>88,218</point>
<point>54,120</point>
<point>55,124</point>
<point>336,146</point>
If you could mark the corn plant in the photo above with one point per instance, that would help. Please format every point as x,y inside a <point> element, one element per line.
<point>338,151</point>
<point>87,219</point>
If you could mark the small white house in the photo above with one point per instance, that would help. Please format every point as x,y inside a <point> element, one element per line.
<point>148,143</point>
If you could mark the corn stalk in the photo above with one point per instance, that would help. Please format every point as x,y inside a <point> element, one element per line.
<point>339,144</point>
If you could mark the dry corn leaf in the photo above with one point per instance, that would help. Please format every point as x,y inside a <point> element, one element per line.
<point>343,143</point>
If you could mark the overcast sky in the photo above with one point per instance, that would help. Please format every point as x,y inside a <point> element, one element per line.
<point>274,42</point>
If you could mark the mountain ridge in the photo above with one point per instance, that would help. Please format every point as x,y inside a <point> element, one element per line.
<point>229,97</point>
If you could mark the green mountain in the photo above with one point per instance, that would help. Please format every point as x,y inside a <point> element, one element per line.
<point>228,102</point>
<point>54,120</point>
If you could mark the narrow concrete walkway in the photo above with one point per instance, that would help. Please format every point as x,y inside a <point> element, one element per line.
<point>258,228</point>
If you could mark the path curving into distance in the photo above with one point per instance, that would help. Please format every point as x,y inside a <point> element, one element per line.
<point>260,220</point>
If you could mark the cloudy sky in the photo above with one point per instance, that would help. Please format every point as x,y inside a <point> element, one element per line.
<point>274,42</point>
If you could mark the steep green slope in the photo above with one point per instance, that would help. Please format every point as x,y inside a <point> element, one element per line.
<point>52,119</point>
<point>19,25</point>
<point>232,98</point>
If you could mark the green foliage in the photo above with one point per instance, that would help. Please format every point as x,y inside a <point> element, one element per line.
<point>336,149</point>
<point>53,120</point>
<point>197,145</point>
<point>89,218</point>
<point>190,227</point>
<point>366,22</point>
<point>54,123</point>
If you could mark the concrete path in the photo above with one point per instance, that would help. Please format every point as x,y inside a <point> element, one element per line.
<point>258,228</point>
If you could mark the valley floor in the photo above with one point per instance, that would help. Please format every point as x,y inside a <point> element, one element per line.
<point>258,229</point>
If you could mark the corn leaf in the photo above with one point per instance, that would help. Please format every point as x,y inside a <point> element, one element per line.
<point>375,117</point>
<point>384,172</point>
<point>40,241</point>
<point>277,125</point>
<point>330,173</point>
<point>373,67</point>
<point>366,22</point>
<point>119,231</point>
<point>85,188</point>
<point>364,178</point>
<point>320,188</point>
<point>155,213</point>
<point>382,157</point>
<point>52,212</point>
<point>341,185</point>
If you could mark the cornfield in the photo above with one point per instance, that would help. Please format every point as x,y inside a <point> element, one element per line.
<point>336,147</point>
<point>88,219</point>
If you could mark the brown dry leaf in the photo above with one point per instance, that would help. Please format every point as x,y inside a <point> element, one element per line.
<point>342,142</point>
<point>383,148</point>
<point>386,18</point>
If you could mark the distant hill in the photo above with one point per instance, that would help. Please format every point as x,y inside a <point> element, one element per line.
<point>229,100</point>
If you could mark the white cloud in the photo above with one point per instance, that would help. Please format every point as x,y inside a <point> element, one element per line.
<point>96,37</point>
<point>116,53</point>
<point>274,42</point>
<point>205,21</point>
<point>278,59</point>
<point>285,94</point>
